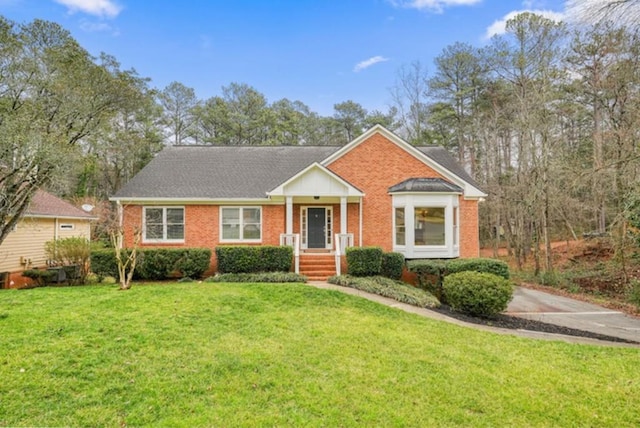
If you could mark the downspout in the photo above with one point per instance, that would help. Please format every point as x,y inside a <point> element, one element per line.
<point>120,220</point>
<point>360,225</point>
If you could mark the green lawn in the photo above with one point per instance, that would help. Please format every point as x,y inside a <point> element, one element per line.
<point>286,355</point>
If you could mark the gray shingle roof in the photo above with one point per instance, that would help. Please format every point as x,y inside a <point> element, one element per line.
<point>220,172</point>
<point>425,185</point>
<point>444,158</point>
<point>238,172</point>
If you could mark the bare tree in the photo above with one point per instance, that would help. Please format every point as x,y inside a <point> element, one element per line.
<point>622,12</point>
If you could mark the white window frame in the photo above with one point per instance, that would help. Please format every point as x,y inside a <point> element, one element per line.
<point>240,224</point>
<point>409,202</point>
<point>164,238</point>
<point>67,226</point>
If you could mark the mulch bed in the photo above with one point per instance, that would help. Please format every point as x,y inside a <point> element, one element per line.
<point>516,323</point>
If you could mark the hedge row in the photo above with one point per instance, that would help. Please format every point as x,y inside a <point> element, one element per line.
<point>253,259</point>
<point>156,263</point>
<point>430,273</point>
<point>372,261</point>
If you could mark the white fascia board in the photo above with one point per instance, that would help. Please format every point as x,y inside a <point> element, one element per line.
<point>64,217</point>
<point>192,201</point>
<point>351,189</point>
<point>469,190</point>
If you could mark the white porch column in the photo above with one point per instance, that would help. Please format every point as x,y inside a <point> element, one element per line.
<point>343,214</point>
<point>289,214</point>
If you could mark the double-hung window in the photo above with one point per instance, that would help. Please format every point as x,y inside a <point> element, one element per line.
<point>241,224</point>
<point>163,224</point>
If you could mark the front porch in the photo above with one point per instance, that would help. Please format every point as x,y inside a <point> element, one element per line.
<point>323,217</point>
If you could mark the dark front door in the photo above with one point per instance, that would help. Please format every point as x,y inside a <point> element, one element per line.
<point>316,227</point>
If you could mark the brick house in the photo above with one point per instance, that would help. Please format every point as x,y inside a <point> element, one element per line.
<point>378,190</point>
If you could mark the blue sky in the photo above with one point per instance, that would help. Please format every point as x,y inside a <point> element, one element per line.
<point>320,52</point>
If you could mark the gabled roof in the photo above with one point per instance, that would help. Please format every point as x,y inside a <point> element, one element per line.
<point>316,180</point>
<point>431,185</point>
<point>44,204</point>
<point>223,173</point>
<point>220,172</point>
<point>436,157</point>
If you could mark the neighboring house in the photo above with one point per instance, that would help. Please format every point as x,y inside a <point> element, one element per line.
<point>46,219</point>
<point>378,190</point>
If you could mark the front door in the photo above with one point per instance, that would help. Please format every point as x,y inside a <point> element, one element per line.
<point>317,221</point>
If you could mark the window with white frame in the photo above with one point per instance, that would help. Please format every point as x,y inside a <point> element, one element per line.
<point>426,225</point>
<point>163,224</point>
<point>241,224</point>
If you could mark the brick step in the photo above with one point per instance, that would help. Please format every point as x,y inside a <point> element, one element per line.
<point>318,267</point>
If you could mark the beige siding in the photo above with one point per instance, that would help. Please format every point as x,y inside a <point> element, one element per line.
<point>28,240</point>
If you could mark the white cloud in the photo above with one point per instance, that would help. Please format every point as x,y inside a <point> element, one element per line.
<point>499,26</point>
<point>100,8</point>
<point>368,63</point>
<point>93,27</point>
<point>436,6</point>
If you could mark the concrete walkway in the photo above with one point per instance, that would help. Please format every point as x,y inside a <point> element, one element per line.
<point>524,304</point>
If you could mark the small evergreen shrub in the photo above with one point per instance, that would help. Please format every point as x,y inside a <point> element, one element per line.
<point>194,262</point>
<point>41,277</point>
<point>477,293</point>
<point>273,277</point>
<point>364,261</point>
<point>429,274</point>
<point>103,263</point>
<point>392,265</point>
<point>157,263</point>
<point>253,259</point>
<point>387,287</point>
<point>496,267</point>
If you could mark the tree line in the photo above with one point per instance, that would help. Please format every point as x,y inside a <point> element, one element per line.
<point>545,117</point>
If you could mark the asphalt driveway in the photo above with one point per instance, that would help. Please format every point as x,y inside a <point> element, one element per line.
<point>552,309</point>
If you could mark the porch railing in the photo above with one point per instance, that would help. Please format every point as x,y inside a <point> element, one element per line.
<point>343,241</point>
<point>292,240</point>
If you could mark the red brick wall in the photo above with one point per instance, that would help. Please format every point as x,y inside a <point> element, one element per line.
<point>377,164</point>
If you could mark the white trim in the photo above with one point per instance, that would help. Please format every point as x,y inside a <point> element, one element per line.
<point>426,200</point>
<point>164,240</point>
<point>470,190</point>
<point>62,217</point>
<point>351,190</point>
<point>199,201</point>
<point>240,224</point>
<point>66,226</point>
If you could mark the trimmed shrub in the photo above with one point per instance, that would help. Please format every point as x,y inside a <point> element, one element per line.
<point>364,261</point>
<point>156,263</point>
<point>253,259</point>
<point>40,276</point>
<point>103,263</point>
<point>392,265</point>
<point>194,262</point>
<point>496,267</point>
<point>273,277</point>
<point>429,274</point>
<point>387,287</point>
<point>477,293</point>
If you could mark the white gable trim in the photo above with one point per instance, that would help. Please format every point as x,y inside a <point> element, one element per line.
<point>331,181</point>
<point>470,191</point>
